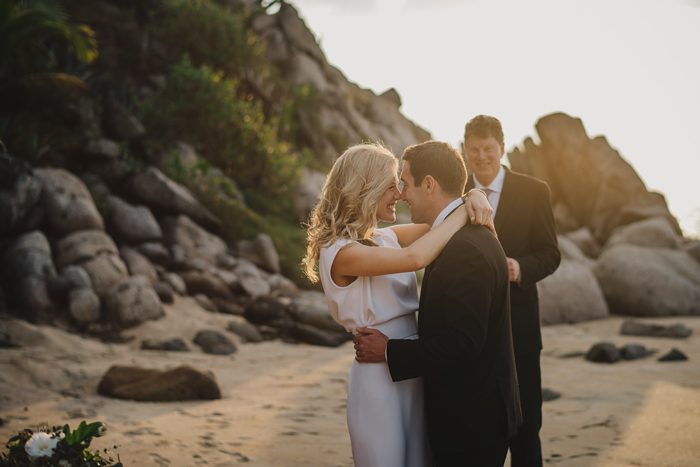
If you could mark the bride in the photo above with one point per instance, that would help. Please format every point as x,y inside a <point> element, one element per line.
<point>367,275</point>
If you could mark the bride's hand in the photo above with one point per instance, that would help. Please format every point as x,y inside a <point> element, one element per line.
<point>479,209</point>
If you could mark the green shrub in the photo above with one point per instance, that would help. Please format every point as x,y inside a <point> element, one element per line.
<point>210,34</point>
<point>228,127</point>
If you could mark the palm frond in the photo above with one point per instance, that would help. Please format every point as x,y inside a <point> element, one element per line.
<point>56,80</point>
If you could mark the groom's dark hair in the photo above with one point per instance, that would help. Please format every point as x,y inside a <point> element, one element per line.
<point>439,160</point>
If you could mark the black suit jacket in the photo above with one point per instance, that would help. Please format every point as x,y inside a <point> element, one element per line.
<point>465,349</point>
<point>525,225</point>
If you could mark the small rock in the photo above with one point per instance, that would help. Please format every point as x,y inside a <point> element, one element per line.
<point>261,251</point>
<point>156,253</point>
<point>634,351</point>
<point>164,291</point>
<point>214,342</point>
<point>255,286</point>
<point>225,261</point>
<point>247,331</point>
<point>550,394</point>
<point>673,355</point>
<point>279,282</point>
<point>103,147</point>
<point>603,352</point>
<point>631,327</point>
<point>176,282</point>
<point>264,310</point>
<point>207,284</point>
<point>229,308</point>
<point>205,302</point>
<point>173,345</point>
<point>84,305</point>
<point>137,264</point>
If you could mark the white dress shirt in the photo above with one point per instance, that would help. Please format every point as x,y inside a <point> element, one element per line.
<point>496,188</point>
<point>443,215</point>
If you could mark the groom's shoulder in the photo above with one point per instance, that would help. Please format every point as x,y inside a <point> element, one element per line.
<point>473,236</point>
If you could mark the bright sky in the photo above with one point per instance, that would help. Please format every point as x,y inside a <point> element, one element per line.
<point>630,69</point>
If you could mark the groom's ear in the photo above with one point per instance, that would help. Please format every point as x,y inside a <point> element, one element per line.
<point>430,184</point>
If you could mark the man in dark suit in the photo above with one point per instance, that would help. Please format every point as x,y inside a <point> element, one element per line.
<point>525,226</point>
<point>465,349</point>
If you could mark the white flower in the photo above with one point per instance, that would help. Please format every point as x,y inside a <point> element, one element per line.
<point>64,463</point>
<point>40,444</point>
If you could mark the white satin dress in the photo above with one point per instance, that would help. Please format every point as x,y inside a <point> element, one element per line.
<point>385,419</point>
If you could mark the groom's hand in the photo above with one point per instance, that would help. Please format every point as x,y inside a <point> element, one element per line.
<point>370,346</point>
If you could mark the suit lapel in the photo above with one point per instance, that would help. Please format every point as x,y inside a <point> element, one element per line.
<point>507,199</point>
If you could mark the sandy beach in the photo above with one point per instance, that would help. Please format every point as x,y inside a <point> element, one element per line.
<point>284,404</point>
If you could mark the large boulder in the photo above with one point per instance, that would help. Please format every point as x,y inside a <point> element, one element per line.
<point>600,189</point>
<point>131,302</point>
<point>26,268</point>
<point>571,295</point>
<point>194,241</point>
<point>156,190</point>
<point>132,224</point>
<point>19,192</point>
<point>653,232</point>
<point>183,383</point>
<point>261,251</point>
<point>95,252</point>
<point>642,281</point>
<point>67,202</point>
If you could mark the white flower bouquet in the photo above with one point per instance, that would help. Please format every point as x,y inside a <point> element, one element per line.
<point>56,447</point>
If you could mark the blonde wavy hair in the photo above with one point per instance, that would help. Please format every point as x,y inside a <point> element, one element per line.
<point>348,200</point>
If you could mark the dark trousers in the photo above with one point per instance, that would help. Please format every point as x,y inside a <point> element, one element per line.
<point>491,456</point>
<point>488,449</point>
<point>525,447</point>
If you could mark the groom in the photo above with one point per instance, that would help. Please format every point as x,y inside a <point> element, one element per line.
<point>465,349</point>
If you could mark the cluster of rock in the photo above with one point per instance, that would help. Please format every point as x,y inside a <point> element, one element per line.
<point>608,352</point>
<point>622,250</point>
<point>111,268</point>
<point>98,239</point>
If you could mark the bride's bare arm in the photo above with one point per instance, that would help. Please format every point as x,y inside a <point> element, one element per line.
<point>359,260</point>
<point>478,209</point>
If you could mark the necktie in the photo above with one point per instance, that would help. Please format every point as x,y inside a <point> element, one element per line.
<point>488,192</point>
